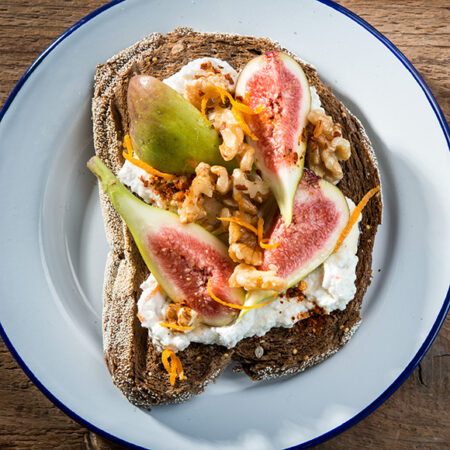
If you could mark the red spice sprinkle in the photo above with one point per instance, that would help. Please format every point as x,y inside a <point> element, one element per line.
<point>229,78</point>
<point>144,181</point>
<point>294,291</point>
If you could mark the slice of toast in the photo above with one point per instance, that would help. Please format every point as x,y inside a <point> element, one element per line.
<point>132,360</point>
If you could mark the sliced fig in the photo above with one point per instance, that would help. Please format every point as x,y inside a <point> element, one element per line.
<point>182,258</point>
<point>168,132</point>
<point>277,83</point>
<point>320,214</point>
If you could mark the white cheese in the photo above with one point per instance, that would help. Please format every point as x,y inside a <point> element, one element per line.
<point>315,99</point>
<point>187,73</point>
<point>332,285</point>
<point>136,179</point>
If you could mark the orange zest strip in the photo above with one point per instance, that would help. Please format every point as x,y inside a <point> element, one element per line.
<point>239,119</point>
<point>259,109</point>
<point>239,222</point>
<point>240,106</point>
<point>232,305</point>
<point>240,202</point>
<point>354,216</point>
<point>260,229</point>
<point>236,109</point>
<point>174,367</point>
<point>263,243</point>
<point>175,327</point>
<point>128,155</point>
<point>318,129</point>
<point>141,318</point>
<point>155,290</point>
<point>204,103</point>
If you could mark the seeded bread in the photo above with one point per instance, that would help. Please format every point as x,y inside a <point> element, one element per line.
<point>132,360</point>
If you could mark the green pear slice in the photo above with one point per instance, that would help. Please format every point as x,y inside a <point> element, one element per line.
<point>182,258</point>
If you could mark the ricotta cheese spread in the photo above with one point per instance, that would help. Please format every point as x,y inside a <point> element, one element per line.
<point>331,286</point>
<point>315,99</point>
<point>187,73</point>
<point>136,179</point>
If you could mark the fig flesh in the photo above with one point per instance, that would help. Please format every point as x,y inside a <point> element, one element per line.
<point>277,83</point>
<point>182,258</point>
<point>168,132</point>
<point>320,214</point>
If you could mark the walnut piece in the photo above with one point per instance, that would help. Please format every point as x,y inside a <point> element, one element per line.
<point>202,185</point>
<point>250,278</point>
<point>181,315</point>
<point>326,146</point>
<point>243,253</point>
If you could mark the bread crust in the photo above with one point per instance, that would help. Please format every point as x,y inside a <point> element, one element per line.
<point>132,360</point>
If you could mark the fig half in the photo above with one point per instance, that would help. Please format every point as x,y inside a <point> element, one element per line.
<point>277,83</point>
<point>320,214</point>
<point>168,132</point>
<point>182,258</point>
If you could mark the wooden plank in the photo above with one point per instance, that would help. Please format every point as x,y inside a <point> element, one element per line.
<point>417,415</point>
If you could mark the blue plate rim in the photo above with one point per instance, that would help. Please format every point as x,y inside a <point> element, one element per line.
<point>428,340</point>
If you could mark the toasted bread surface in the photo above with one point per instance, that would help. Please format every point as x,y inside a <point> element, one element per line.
<point>132,360</point>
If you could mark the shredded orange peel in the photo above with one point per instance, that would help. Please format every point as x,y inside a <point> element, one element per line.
<point>128,155</point>
<point>232,305</point>
<point>240,222</point>
<point>156,289</point>
<point>152,293</point>
<point>354,217</point>
<point>140,317</point>
<point>174,368</point>
<point>175,327</point>
<point>264,243</point>
<point>240,201</point>
<point>236,108</point>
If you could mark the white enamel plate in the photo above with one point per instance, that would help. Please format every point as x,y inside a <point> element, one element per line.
<point>53,245</point>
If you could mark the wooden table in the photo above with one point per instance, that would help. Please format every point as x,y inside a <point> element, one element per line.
<point>417,415</point>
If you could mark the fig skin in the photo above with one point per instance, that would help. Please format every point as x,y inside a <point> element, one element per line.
<point>208,256</point>
<point>168,132</point>
<point>277,83</point>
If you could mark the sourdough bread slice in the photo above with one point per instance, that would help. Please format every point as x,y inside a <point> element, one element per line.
<point>132,360</point>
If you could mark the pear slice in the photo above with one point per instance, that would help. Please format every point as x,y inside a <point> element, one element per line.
<point>168,132</point>
<point>182,258</point>
<point>320,214</point>
<point>277,84</point>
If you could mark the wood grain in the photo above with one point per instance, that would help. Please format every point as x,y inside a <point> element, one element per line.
<point>417,415</point>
